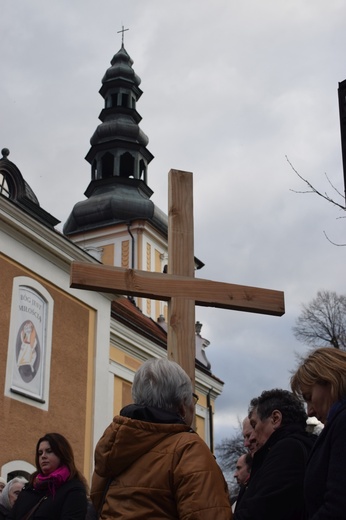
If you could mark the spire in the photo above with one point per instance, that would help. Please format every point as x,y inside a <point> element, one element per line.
<point>118,145</point>
<point>119,158</point>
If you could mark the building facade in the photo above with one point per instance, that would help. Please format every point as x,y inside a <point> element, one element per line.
<point>69,356</point>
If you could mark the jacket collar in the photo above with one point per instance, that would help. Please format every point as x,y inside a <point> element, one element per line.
<point>151,414</point>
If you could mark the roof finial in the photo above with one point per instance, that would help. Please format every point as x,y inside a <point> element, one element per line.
<point>122,35</point>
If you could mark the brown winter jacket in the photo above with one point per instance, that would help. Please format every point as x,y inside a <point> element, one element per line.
<point>157,471</point>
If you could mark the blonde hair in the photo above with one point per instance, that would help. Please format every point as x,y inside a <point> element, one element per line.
<point>326,365</point>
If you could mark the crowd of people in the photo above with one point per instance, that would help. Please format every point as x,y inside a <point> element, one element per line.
<point>296,474</point>
<point>151,464</point>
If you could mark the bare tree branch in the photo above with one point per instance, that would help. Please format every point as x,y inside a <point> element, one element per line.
<point>312,188</point>
<point>334,188</point>
<point>334,243</point>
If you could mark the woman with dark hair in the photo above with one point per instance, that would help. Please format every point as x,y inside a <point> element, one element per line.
<point>56,490</point>
<point>275,487</point>
<point>321,381</point>
<point>149,463</point>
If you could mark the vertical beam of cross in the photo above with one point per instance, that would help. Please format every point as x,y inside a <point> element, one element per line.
<point>122,34</point>
<point>181,341</point>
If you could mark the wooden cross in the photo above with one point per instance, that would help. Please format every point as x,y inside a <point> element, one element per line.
<point>179,286</point>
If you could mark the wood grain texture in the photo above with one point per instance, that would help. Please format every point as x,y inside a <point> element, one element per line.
<point>181,340</point>
<point>157,286</point>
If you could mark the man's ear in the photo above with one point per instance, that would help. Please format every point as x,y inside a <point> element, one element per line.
<point>182,411</point>
<point>276,418</point>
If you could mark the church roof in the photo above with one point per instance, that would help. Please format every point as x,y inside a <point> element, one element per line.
<point>16,189</point>
<point>125,310</point>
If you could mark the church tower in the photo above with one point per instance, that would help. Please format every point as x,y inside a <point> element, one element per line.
<point>118,223</point>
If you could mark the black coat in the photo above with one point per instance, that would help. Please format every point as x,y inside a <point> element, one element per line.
<point>68,503</point>
<point>3,512</point>
<point>325,480</point>
<point>275,488</point>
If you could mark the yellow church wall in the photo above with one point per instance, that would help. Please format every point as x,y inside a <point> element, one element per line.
<point>140,301</point>
<point>202,399</point>
<point>70,409</point>
<point>123,358</point>
<point>158,270</point>
<point>108,254</point>
<point>117,395</point>
<point>122,394</point>
<point>122,388</point>
<point>200,426</point>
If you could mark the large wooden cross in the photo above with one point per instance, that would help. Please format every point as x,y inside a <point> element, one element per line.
<point>179,286</point>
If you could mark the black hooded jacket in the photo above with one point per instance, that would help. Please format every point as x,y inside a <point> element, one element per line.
<point>325,479</point>
<point>275,489</point>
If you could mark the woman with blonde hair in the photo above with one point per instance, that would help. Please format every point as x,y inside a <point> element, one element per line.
<point>321,381</point>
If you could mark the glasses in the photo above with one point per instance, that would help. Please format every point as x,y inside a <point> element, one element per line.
<point>195,398</point>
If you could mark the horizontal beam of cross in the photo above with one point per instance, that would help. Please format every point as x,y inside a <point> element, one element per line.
<point>156,286</point>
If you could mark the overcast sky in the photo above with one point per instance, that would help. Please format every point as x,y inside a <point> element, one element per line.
<point>230,89</point>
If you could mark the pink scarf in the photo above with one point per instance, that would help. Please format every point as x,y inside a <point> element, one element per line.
<point>53,481</point>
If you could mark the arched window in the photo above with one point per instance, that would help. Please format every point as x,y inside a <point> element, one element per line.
<point>17,468</point>
<point>107,165</point>
<point>114,100</point>
<point>94,170</point>
<point>124,100</point>
<point>127,165</point>
<point>4,187</point>
<point>142,169</point>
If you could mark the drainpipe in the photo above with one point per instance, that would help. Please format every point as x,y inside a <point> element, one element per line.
<point>211,431</point>
<point>132,246</point>
<point>131,298</point>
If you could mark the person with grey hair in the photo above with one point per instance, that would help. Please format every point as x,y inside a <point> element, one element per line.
<point>10,494</point>
<point>149,463</point>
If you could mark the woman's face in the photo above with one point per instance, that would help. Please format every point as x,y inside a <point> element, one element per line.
<point>318,400</point>
<point>47,460</point>
<point>261,429</point>
<point>14,491</point>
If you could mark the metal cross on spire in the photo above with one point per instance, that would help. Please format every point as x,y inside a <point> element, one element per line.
<point>122,34</point>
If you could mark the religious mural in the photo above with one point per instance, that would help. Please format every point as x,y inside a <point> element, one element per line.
<point>28,341</point>
<point>27,351</point>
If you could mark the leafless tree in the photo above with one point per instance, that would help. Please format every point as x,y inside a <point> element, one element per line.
<point>323,321</point>
<point>228,452</point>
